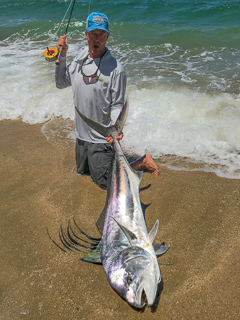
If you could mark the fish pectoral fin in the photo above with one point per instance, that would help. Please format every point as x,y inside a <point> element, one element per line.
<point>129,234</point>
<point>94,255</point>
<point>153,232</point>
<point>160,249</point>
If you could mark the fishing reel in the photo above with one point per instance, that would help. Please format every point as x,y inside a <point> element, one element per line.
<point>51,54</point>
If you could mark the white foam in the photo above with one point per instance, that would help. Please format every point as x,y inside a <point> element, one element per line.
<point>163,119</point>
<point>185,123</point>
<point>28,88</point>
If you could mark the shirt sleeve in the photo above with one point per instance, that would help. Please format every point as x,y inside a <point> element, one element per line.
<point>62,76</point>
<point>118,95</point>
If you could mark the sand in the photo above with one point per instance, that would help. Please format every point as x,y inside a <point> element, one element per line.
<point>39,189</point>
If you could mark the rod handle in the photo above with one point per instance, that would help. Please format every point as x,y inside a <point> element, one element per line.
<point>59,55</point>
<point>60,52</point>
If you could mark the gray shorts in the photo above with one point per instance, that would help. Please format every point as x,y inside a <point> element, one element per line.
<point>94,159</point>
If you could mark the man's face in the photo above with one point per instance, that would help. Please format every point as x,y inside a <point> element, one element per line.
<point>96,41</point>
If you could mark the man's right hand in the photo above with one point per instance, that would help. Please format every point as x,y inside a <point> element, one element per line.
<point>63,45</point>
<point>110,139</point>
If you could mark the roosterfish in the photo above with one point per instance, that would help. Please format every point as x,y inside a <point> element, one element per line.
<point>126,250</point>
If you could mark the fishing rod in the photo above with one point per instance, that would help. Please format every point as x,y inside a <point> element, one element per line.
<point>60,50</point>
<point>51,54</point>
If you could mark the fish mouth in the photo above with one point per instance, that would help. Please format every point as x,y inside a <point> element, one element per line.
<point>137,300</point>
<point>144,300</point>
<point>144,297</point>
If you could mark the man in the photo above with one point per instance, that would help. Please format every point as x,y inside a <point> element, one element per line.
<point>98,83</point>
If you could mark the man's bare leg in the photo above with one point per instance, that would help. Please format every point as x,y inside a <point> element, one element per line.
<point>146,162</point>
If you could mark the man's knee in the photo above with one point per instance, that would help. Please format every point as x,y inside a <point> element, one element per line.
<point>101,181</point>
<point>99,162</point>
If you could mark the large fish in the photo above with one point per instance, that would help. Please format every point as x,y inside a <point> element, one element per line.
<point>127,250</point>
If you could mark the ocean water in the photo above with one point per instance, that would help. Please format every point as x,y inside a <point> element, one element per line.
<point>182,63</point>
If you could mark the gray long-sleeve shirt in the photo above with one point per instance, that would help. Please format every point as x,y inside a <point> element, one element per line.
<point>98,86</point>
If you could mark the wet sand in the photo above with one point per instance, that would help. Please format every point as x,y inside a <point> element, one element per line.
<point>39,189</point>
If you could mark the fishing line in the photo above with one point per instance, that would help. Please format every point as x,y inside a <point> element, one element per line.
<point>51,54</point>
<point>89,7</point>
<point>64,17</point>
<point>70,16</point>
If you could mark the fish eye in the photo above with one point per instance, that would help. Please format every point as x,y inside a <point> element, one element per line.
<point>129,279</point>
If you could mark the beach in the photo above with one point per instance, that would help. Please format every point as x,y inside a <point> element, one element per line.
<point>198,214</point>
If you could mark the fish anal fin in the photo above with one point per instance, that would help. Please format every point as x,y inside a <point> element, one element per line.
<point>129,234</point>
<point>101,219</point>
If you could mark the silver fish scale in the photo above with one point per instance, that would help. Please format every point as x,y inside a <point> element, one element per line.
<point>125,207</point>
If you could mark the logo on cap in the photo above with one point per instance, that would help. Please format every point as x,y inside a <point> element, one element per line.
<point>98,19</point>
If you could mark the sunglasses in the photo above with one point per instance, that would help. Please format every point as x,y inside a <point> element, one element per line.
<point>92,78</point>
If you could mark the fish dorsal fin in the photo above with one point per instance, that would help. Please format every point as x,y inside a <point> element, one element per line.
<point>94,255</point>
<point>110,131</point>
<point>160,249</point>
<point>153,232</point>
<point>129,234</point>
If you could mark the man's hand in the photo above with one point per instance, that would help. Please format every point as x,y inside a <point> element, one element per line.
<point>63,45</point>
<point>110,139</point>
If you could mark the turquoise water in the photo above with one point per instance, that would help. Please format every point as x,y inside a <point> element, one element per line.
<point>188,23</point>
<point>198,39</point>
<point>182,62</point>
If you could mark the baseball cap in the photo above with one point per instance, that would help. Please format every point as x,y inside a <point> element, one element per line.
<point>97,20</point>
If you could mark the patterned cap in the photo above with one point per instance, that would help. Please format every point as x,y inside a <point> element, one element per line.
<point>97,20</point>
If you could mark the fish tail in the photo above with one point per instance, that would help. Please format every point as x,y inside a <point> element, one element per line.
<point>112,130</point>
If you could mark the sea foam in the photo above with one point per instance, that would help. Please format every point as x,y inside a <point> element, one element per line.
<point>165,120</point>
